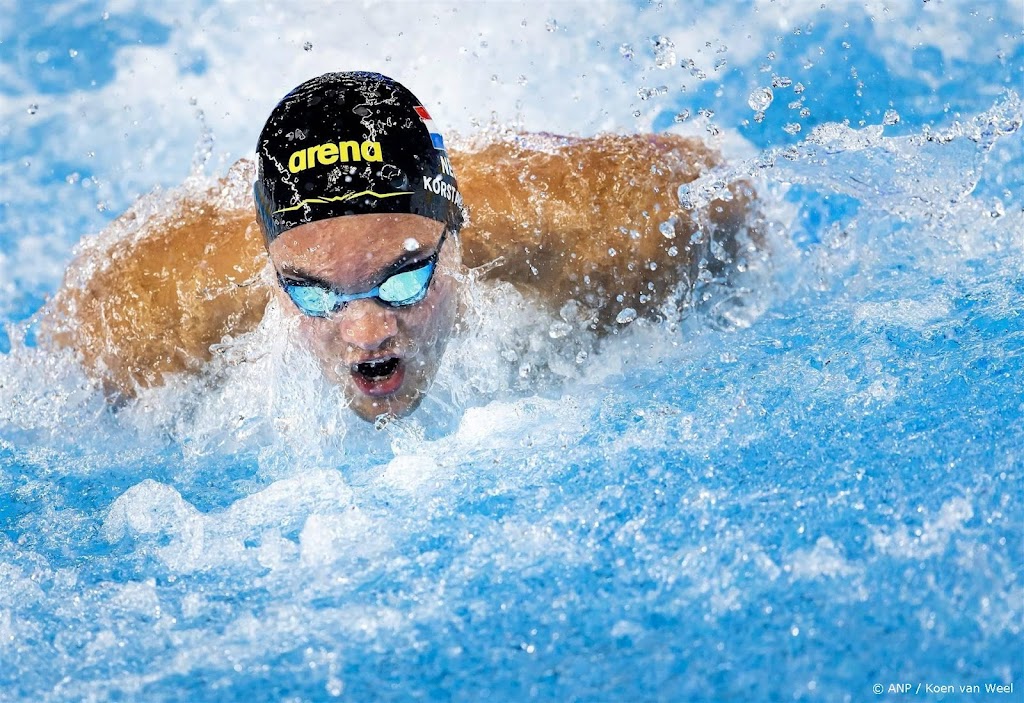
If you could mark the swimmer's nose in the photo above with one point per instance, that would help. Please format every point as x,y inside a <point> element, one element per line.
<point>366,324</point>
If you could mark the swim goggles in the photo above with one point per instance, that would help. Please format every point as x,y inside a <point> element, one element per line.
<point>406,287</point>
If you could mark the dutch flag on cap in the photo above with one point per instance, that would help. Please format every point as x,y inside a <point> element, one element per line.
<point>435,136</point>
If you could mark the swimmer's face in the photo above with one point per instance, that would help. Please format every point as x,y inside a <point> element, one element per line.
<point>384,357</point>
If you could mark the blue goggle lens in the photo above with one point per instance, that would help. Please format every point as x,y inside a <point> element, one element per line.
<point>405,288</point>
<point>311,300</point>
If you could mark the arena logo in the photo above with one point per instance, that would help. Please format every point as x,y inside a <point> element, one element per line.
<point>330,153</point>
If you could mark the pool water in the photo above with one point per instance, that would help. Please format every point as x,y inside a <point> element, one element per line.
<point>809,487</point>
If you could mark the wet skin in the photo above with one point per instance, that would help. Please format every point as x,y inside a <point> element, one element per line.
<point>353,254</point>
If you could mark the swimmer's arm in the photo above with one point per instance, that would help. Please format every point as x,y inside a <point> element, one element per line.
<point>596,220</point>
<point>137,306</point>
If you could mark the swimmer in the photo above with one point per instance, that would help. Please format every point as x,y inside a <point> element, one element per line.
<point>362,226</point>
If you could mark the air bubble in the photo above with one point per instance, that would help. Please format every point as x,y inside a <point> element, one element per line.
<point>791,128</point>
<point>551,25</point>
<point>308,46</point>
<point>891,117</point>
<point>781,82</point>
<point>626,51</point>
<point>625,316</point>
<point>33,109</point>
<point>411,244</point>
<point>668,229</point>
<point>73,53</point>
<point>682,116</point>
<point>798,88</point>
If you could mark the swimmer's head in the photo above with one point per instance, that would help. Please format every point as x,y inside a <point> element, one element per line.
<point>360,211</point>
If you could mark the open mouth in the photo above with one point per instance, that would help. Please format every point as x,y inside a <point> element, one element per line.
<point>379,377</point>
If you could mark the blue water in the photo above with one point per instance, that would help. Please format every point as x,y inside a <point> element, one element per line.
<point>818,492</point>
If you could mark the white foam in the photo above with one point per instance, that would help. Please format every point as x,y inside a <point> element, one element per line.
<point>931,539</point>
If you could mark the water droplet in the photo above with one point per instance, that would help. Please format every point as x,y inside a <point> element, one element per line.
<point>581,357</point>
<point>106,16</point>
<point>791,128</point>
<point>664,52</point>
<point>72,53</point>
<point>33,108</point>
<point>685,198</point>
<point>522,80</point>
<point>672,251</point>
<point>335,687</point>
<point>760,98</point>
<point>101,206</point>
<point>758,116</point>
<point>72,178</point>
<point>411,244</point>
<point>798,88</point>
<point>668,228</point>
<point>308,46</point>
<point>720,64</point>
<point>193,101</point>
<point>559,329</point>
<point>626,51</point>
<point>781,82</point>
<point>625,316</point>
<point>891,117</point>
<point>551,25</point>
<point>42,56</point>
<point>682,116</point>
<point>648,93</point>
<point>611,251</point>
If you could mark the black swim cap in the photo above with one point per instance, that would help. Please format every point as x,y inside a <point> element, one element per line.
<point>351,143</point>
